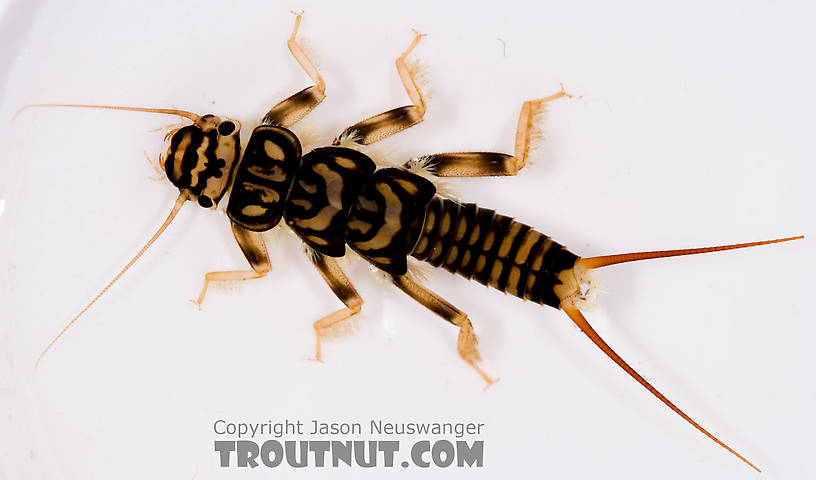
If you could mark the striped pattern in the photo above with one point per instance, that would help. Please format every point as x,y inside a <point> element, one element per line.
<point>382,126</point>
<point>328,183</point>
<point>471,164</point>
<point>266,173</point>
<point>201,158</point>
<point>294,108</point>
<point>386,219</point>
<point>492,249</point>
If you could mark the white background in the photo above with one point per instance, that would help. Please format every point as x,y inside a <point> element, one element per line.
<point>694,127</point>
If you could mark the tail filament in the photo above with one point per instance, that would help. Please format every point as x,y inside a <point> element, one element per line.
<point>604,261</point>
<point>578,318</point>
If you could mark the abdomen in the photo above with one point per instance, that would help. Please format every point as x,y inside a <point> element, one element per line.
<point>492,249</point>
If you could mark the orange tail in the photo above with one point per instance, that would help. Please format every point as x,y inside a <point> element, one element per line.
<point>581,322</point>
<point>606,260</point>
<point>590,332</point>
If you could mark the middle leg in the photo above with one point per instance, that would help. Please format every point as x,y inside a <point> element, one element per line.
<point>379,127</point>
<point>342,287</point>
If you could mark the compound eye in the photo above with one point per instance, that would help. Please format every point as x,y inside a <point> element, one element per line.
<point>205,201</point>
<point>226,128</point>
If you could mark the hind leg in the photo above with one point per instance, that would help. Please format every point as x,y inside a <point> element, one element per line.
<point>487,164</point>
<point>379,127</point>
<point>254,248</point>
<point>466,344</point>
<point>294,108</point>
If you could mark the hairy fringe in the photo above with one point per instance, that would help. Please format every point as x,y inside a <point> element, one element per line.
<point>350,139</point>
<point>309,49</point>
<point>535,134</point>
<point>342,329</point>
<point>424,167</point>
<point>383,154</point>
<point>311,253</point>
<point>469,341</point>
<point>419,271</point>
<point>420,73</point>
<point>310,135</point>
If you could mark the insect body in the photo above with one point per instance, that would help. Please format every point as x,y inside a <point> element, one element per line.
<point>335,196</point>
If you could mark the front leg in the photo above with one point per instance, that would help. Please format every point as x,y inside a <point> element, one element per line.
<point>254,248</point>
<point>383,125</point>
<point>342,287</point>
<point>293,109</point>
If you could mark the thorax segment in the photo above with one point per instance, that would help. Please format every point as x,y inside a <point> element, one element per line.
<point>327,184</point>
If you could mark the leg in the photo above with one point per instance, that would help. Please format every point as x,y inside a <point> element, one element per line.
<point>294,108</point>
<point>466,346</point>
<point>254,249</point>
<point>342,287</point>
<point>388,123</point>
<point>484,164</point>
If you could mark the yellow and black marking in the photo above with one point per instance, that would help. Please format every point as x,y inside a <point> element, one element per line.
<point>382,125</point>
<point>201,158</point>
<point>493,249</point>
<point>328,183</point>
<point>290,111</point>
<point>332,196</point>
<point>268,167</point>
<point>386,220</point>
<point>471,164</point>
<point>253,248</point>
<point>336,280</point>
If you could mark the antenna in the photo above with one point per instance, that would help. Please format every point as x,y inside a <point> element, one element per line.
<point>169,111</point>
<point>183,197</point>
